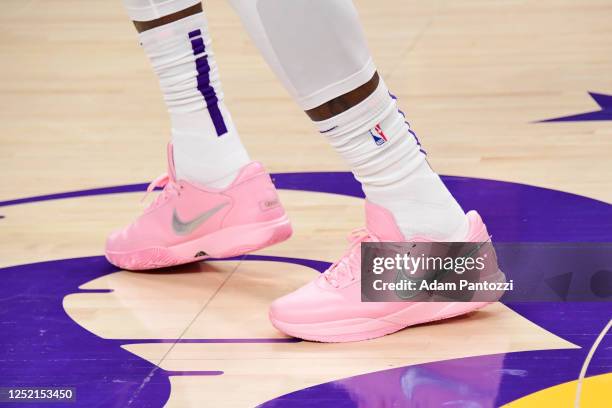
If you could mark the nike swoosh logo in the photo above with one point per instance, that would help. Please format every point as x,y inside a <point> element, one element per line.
<point>186,228</point>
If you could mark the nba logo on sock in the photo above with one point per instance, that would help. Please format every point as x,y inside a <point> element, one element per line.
<point>378,135</point>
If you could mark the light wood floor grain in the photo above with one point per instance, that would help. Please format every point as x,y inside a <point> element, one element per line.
<point>80,108</point>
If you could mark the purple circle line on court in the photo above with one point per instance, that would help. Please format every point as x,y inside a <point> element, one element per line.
<point>37,329</point>
<point>513,212</point>
<point>31,300</point>
<point>335,182</point>
<point>128,188</point>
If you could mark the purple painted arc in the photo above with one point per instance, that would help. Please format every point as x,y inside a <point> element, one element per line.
<point>514,212</point>
<point>126,188</point>
<point>60,349</point>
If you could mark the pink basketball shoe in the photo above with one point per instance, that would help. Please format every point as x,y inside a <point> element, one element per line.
<point>188,223</point>
<point>329,309</point>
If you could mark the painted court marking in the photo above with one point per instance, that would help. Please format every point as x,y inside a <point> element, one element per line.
<point>535,225</point>
<point>587,361</point>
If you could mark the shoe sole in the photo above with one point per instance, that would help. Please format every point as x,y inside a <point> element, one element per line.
<point>366,329</point>
<point>359,329</point>
<point>224,243</point>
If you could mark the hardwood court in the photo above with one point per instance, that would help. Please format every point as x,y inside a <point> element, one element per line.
<point>81,110</point>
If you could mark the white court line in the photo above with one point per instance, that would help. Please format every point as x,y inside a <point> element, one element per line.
<point>585,365</point>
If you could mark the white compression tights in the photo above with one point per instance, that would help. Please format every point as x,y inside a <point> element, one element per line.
<point>318,51</point>
<point>315,47</point>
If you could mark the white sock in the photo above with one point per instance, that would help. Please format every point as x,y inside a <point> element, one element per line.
<point>386,157</point>
<point>207,148</point>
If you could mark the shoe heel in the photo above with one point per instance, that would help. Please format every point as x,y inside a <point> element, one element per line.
<point>248,238</point>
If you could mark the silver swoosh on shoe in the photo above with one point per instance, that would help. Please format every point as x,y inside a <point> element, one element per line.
<point>186,228</point>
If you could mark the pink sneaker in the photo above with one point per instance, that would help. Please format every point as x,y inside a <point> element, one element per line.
<point>187,223</point>
<point>329,309</point>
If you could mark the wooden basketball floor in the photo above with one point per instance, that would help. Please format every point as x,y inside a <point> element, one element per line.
<point>83,128</point>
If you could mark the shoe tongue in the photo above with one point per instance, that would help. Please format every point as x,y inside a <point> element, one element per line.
<point>171,171</point>
<point>381,223</point>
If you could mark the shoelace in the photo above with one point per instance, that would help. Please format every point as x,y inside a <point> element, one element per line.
<point>341,271</point>
<point>169,188</point>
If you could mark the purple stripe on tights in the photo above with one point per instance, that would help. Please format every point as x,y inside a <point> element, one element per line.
<point>204,86</point>
<point>418,142</point>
